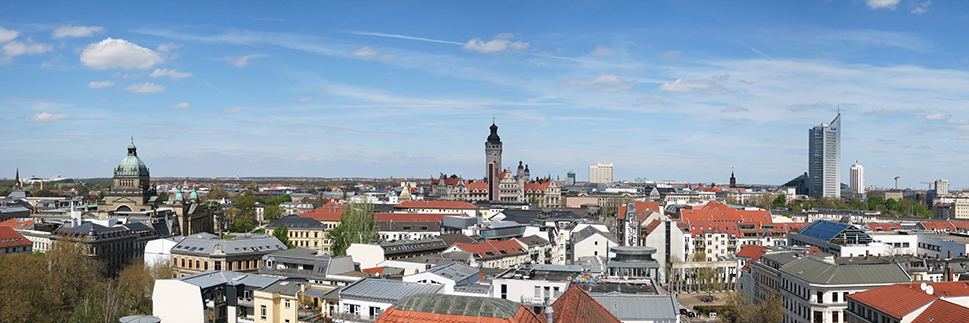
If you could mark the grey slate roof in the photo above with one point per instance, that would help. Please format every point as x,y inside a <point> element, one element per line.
<point>203,245</point>
<point>287,287</point>
<point>455,271</point>
<point>93,229</point>
<point>295,221</point>
<point>458,305</point>
<point>533,240</point>
<point>816,271</point>
<point>590,231</point>
<point>213,278</point>
<point>639,307</point>
<point>385,290</point>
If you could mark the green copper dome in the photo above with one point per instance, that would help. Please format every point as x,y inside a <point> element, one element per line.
<point>131,165</point>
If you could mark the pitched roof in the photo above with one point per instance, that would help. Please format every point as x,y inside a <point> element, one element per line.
<point>18,223</point>
<point>942,311</point>
<point>591,231</point>
<point>938,225</point>
<point>884,227</point>
<point>11,238</point>
<point>533,240</point>
<point>642,210</point>
<point>412,217</point>
<point>492,248</point>
<point>752,252</point>
<point>722,213</point>
<point>386,290</point>
<point>435,308</point>
<point>697,228</point>
<point>436,205</point>
<point>632,307</point>
<point>324,214</point>
<point>816,271</point>
<point>576,306</point>
<point>895,300</point>
<point>296,222</point>
<point>207,245</point>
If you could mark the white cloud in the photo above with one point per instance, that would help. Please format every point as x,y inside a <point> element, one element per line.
<point>735,109</point>
<point>603,51</point>
<point>368,52</point>
<point>75,31</point>
<point>504,36</point>
<point>922,8</point>
<point>145,88</point>
<point>889,112</point>
<point>702,86</point>
<point>957,121</point>
<point>100,85</point>
<point>233,110</point>
<point>183,105</point>
<point>7,35</point>
<point>16,48</point>
<point>165,48</point>
<point>175,75</point>
<point>813,106</point>
<point>119,53</point>
<point>878,4</point>
<point>304,98</point>
<point>735,122</point>
<point>649,100</point>
<point>602,83</point>
<point>494,46</point>
<point>938,116</point>
<point>963,128</point>
<point>45,117</point>
<point>672,54</point>
<point>238,61</point>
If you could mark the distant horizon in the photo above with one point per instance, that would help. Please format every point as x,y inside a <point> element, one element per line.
<point>663,90</point>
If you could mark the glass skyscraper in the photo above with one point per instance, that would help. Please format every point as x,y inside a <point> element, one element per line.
<point>824,159</point>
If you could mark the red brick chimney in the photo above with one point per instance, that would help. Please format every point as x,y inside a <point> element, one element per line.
<point>950,276</point>
<point>867,254</point>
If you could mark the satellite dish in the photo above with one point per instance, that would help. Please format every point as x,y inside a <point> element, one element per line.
<point>930,290</point>
<point>923,286</point>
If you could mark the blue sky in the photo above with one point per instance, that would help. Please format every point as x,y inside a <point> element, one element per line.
<point>679,90</point>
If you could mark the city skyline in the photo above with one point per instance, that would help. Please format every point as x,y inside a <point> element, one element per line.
<point>681,91</point>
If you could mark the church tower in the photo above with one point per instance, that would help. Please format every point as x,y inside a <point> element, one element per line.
<point>493,150</point>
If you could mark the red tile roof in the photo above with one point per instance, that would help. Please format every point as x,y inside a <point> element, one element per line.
<point>393,315</point>
<point>478,186</point>
<point>642,210</point>
<point>436,205</point>
<point>698,227</point>
<point>724,214</point>
<point>495,247</point>
<point>884,227</point>
<point>900,299</point>
<point>752,252</point>
<point>576,306</point>
<point>18,223</point>
<point>324,214</point>
<point>938,225</point>
<point>11,238</point>
<point>942,311</point>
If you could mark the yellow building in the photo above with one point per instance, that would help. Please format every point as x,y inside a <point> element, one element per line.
<point>278,303</point>
<point>304,232</point>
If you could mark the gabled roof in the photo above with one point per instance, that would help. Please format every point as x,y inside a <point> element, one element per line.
<point>752,252</point>
<point>331,213</point>
<point>895,300</point>
<point>884,227</point>
<point>435,308</point>
<point>11,238</point>
<point>296,222</point>
<point>436,205</point>
<point>533,240</point>
<point>576,306</point>
<point>942,311</point>
<point>18,223</point>
<point>938,225</point>
<point>722,213</point>
<point>591,231</point>
<point>633,307</point>
<point>698,228</point>
<point>492,248</point>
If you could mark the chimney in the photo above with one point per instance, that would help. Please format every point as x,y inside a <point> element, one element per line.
<point>938,256</point>
<point>949,276</point>
<point>950,254</point>
<point>548,314</point>
<point>867,254</point>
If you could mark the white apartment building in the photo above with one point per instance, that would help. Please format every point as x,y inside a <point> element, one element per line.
<point>600,173</point>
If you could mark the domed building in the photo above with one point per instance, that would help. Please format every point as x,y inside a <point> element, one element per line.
<point>132,190</point>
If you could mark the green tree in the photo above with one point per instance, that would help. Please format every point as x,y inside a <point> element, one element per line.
<point>780,200</point>
<point>217,193</point>
<point>892,205</point>
<point>874,202</point>
<point>707,279</point>
<point>282,233</point>
<point>357,225</point>
<point>740,310</point>
<point>272,213</point>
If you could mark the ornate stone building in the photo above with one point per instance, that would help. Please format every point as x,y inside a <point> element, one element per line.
<point>132,189</point>
<point>511,187</point>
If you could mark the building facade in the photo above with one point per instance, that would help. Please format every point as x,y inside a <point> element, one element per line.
<point>858,178</point>
<point>824,159</point>
<point>600,173</point>
<point>132,190</point>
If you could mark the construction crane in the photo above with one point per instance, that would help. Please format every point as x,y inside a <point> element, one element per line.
<point>930,184</point>
<point>896,182</point>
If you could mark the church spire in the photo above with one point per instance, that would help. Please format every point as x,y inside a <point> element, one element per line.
<point>16,184</point>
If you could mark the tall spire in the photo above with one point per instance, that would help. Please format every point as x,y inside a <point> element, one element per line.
<point>16,184</point>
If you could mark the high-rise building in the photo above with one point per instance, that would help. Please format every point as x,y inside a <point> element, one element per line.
<point>570,178</point>
<point>942,187</point>
<point>824,159</point>
<point>600,173</point>
<point>858,178</point>
<point>492,151</point>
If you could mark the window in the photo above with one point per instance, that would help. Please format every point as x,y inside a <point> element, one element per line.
<point>504,291</point>
<point>287,303</point>
<point>262,312</point>
<point>375,311</point>
<point>820,297</point>
<point>835,317</point>
<point>538,291</point>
